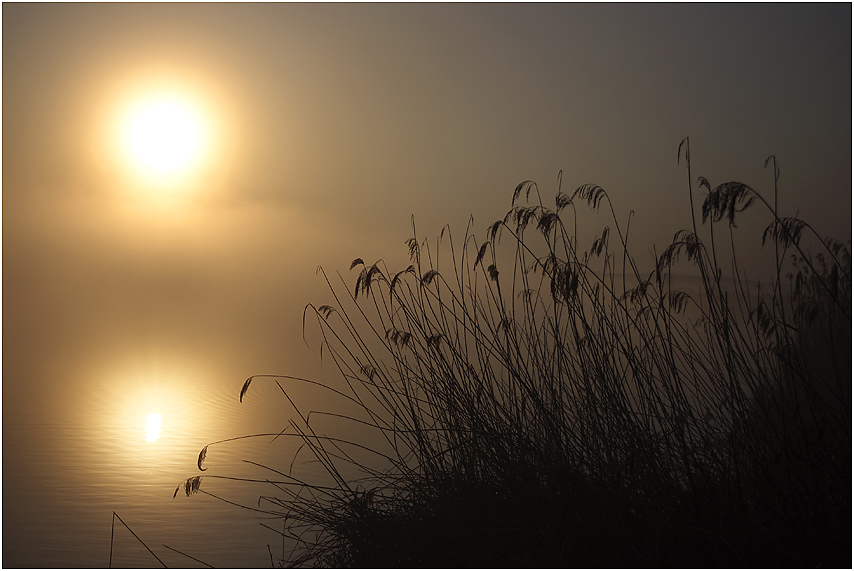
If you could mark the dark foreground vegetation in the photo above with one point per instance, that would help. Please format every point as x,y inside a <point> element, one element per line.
<point>537,400</point>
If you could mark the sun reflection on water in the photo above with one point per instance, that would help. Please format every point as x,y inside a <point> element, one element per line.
<point>138,420</point>
<point>152,426</point>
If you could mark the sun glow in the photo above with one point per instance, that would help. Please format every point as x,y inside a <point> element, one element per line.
<point>164,137</point>
<point>152,426</point>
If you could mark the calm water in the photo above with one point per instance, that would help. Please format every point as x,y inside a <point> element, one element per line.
<point>80,376</point>
<point>111,314</point>
<point>64,473</point>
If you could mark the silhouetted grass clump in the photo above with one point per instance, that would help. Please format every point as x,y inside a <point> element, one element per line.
<point>536,400</point>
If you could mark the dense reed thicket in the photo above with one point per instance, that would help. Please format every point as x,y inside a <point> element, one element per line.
<point>536,399</point>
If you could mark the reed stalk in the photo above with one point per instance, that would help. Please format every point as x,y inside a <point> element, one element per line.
<point>536,403</point>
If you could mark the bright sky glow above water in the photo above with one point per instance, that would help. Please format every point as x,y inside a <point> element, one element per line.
<point>163,137</point>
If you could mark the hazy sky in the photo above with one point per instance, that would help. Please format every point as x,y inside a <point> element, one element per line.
<point>332,124</point>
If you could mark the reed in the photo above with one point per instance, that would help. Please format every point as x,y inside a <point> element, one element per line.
<point>531,401</point>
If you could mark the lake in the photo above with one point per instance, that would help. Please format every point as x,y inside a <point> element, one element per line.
<point>99,331</point>
<point>94,342</point>
<point>67,470</point>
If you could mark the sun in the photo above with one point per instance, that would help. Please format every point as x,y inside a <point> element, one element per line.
<point>164,136</point>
